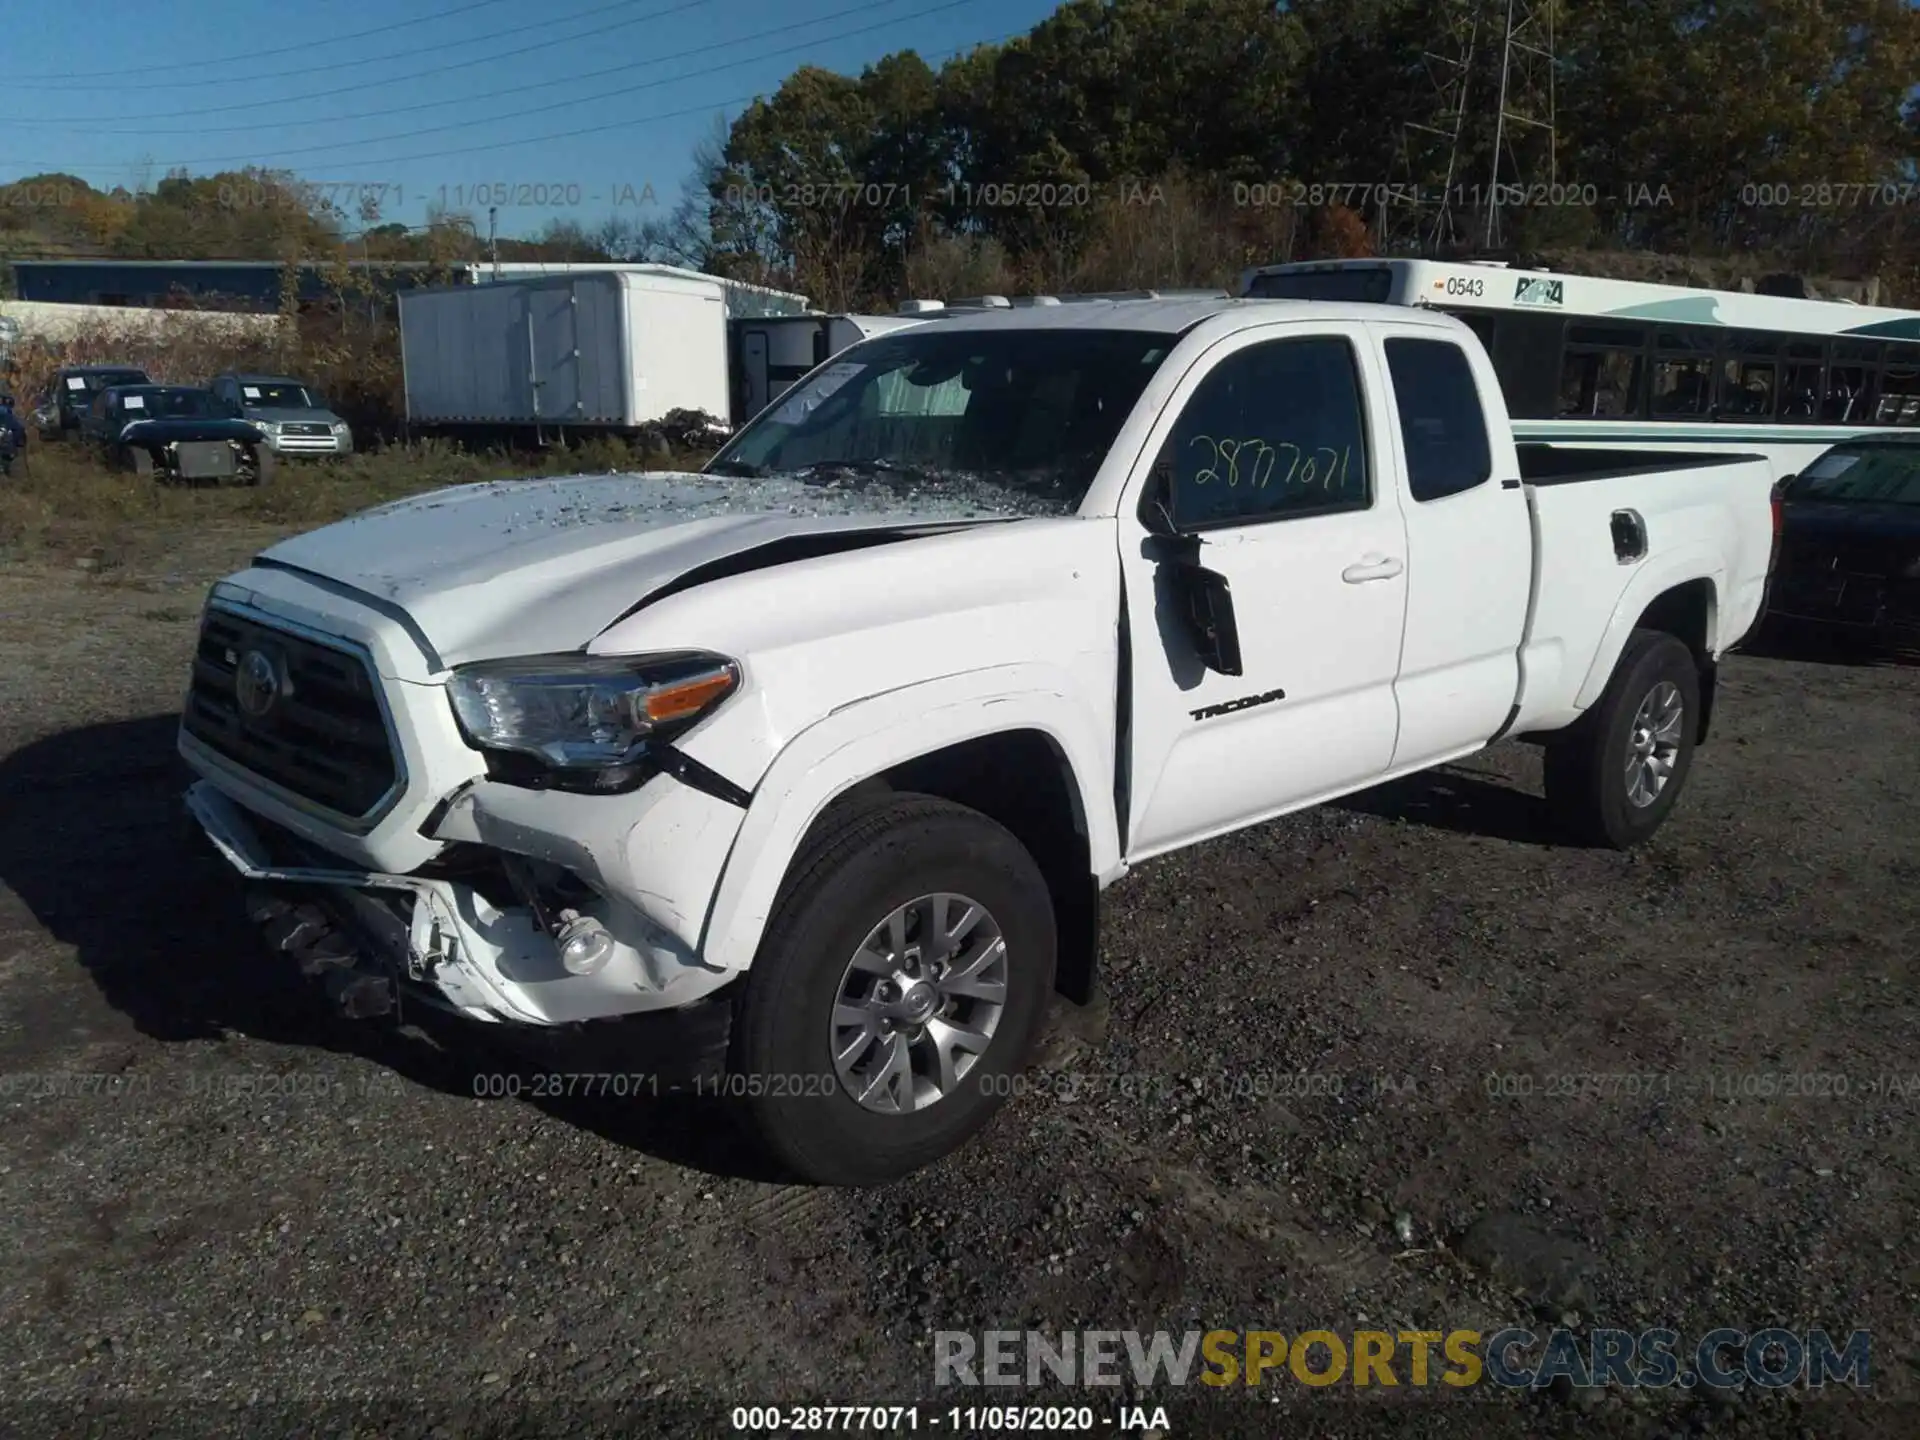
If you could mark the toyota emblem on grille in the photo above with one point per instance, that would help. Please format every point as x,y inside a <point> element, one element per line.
<point>257,683</point>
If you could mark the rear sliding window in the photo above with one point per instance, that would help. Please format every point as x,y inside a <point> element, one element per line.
<point>1441,418</point>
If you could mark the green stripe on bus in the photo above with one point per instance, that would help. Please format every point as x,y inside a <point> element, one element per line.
<point>1907,329</point>
<point>1685,310</point>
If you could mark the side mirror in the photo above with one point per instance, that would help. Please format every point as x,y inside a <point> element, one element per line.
<point>1203,595</point>
<point>1209,612</point>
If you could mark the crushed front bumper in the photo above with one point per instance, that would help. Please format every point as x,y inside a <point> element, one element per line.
<point>390,931</point>
<point>375,941</point>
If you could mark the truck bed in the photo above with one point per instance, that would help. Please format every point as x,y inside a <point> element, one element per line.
<point>1702,515</point>
<point>1546,464</point>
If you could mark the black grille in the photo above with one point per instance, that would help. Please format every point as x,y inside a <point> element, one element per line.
<point>305,427</point>
<point>324,738</point>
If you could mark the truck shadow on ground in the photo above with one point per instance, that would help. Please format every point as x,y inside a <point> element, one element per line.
<point>1461,803</point>
<point>96,843</point>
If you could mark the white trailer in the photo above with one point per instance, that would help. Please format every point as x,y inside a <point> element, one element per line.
<point>770,353</point>
<point>606,349</point>
<point>744,299</point>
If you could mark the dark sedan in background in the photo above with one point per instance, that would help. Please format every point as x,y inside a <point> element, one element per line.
<point>175,432</point>
<point>1848,565</point>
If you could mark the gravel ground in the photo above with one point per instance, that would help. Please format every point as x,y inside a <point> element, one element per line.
<point>260,1214</point>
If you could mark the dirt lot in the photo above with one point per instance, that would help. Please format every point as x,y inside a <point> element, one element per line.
<point>259,1212</point>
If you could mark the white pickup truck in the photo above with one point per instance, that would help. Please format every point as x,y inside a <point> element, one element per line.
<point>802,776</point>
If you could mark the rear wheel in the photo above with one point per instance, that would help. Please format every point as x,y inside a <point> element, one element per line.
<point>1613,778</point>
<point>903,977</point>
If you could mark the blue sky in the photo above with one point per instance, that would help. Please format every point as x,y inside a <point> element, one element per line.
<point>596,100</point>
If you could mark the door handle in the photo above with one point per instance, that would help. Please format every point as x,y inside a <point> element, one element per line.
<point>1373,567</point>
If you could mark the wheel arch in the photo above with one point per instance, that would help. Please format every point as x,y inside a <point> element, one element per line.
<point>1030,758</point>
<point>1681,599</point>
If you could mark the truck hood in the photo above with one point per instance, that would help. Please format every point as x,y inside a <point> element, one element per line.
<point>527,567</point>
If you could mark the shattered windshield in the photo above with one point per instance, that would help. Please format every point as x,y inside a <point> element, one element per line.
<point>1021,418</point>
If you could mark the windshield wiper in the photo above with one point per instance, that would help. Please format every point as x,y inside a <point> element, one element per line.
<point>741,468</point>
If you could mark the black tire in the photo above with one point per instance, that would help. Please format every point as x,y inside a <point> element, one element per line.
<point>865,861</point>
<point>1586,768</point>
<point>264,463</point>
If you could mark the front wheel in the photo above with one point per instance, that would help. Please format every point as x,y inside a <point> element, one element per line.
<point>897,993</point>
<point>1613,778</point>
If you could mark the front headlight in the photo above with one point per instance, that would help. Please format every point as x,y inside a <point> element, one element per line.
<point>340,427</point>
<point>586,712</point>
<point>270,427</point>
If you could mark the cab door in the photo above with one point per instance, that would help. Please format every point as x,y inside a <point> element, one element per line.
<point>1469,541</point>
<point>1272,475</point>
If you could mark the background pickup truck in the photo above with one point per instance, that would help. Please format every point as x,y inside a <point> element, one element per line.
<point>809,770</point>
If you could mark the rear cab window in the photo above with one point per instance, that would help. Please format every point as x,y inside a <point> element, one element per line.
<point>1442,421</point>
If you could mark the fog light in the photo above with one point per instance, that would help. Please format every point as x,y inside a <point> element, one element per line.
<point>585,945</point>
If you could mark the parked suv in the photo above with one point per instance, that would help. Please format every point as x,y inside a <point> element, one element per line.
<point>71,391</point>
<point>290,412</point>
<point>175,432</point>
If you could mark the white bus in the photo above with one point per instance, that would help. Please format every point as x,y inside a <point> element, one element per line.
<point>1624,364</point>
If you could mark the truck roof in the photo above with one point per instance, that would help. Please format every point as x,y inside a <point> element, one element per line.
<point>1169,316</point>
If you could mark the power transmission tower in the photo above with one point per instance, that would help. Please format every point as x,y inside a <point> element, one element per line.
<point>1433,151</point>
<point>1525,142</point>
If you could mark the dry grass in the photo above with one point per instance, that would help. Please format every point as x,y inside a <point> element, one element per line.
<point>63,507</point>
